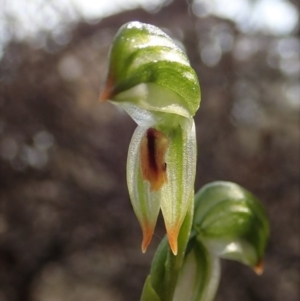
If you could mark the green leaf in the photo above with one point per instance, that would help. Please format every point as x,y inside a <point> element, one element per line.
<point>199,275</point>
<point>232,223</point>
<point>149,294</point>
<point>158,267</point>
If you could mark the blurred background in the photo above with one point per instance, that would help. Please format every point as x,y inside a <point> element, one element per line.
<point>67,229</point>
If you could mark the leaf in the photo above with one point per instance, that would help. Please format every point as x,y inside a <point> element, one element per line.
<point>149,293</point>
<point>199,275</point>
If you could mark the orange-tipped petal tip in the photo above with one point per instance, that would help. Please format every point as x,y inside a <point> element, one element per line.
<point>107,91</point>
<point>145,245</point>
<point>104,95</point>
<point>147,237</point>
<point>172,236</point>
<point>174,248</point>
<point>259,268</point>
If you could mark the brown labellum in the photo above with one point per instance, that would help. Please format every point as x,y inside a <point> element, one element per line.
<point>154,146</point>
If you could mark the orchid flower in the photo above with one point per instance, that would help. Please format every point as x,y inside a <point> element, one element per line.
<point>151,79</point>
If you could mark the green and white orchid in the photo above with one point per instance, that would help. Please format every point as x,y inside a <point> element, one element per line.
<point>151,79</point>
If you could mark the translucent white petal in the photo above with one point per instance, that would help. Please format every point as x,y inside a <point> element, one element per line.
<point>181,169</point>
<point>146,203</point>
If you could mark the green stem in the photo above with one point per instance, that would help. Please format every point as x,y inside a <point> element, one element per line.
<point>174,263</point>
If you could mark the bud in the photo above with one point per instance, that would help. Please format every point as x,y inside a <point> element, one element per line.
<point>232,223</point>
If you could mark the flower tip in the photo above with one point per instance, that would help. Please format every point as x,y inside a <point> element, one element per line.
<point>102,97</point>
<point>145,244</point>
<point>144,247</point>
<point>107,91</point>
<point>147,237</point>
<point>259,268</point>
<point>174,247</point>
<point>173,237</point>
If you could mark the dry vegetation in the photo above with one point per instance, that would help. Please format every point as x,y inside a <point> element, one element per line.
<point>67,230</point>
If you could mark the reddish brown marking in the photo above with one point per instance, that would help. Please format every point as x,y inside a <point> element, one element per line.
<point>154,146</point>
<point>107,91</point>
